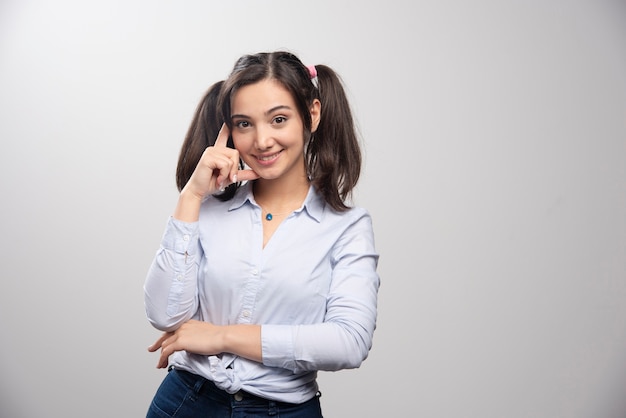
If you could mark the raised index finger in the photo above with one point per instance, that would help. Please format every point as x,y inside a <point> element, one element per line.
<point>222,136</point>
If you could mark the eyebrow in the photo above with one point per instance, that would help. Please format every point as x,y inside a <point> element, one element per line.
<point>270,111</point>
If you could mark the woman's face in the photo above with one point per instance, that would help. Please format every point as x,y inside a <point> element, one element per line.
<point>267,129</point>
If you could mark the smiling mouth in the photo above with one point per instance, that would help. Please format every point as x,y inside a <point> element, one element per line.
<point>268,158</point>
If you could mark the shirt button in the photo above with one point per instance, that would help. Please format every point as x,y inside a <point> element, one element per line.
<point>179,277</point>
<point>238,397</point>
<point>255,272</point>
<point>246,313</point>
<point>185,237</point>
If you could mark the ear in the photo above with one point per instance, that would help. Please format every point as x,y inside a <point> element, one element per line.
<point>316,110</point>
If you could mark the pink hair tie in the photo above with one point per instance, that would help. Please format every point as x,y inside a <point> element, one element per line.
<point>312,71</point>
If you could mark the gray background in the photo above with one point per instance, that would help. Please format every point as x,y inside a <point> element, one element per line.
<point>495,138</point>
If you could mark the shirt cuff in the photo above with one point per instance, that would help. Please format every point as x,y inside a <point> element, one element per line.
<point>276,340</point>
<point>180,237</point>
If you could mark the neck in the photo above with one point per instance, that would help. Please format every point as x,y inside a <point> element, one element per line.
<point>278,196</point>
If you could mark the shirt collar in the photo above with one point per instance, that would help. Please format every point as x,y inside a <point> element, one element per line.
<point>313,203</point>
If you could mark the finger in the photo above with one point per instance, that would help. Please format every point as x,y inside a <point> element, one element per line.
<point>225,175</point>
<point>164,354</point>
<point>167,350</point>
<point>235,176</point>
<point>229,170</point>
<point>163,361</point>
<point>158,343</point>
<point>222,136</point>
<point>245,175</point>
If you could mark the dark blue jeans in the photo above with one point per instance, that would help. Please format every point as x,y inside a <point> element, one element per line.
<point>186,395</point>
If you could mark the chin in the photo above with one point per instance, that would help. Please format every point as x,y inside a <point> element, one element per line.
<point>268,176</point>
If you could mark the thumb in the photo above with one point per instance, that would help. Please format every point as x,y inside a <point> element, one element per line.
<point>245,175</point>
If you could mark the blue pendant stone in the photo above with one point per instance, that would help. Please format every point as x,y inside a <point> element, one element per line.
<point>269,216</point>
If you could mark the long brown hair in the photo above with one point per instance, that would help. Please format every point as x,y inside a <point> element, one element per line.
<point>332,154</point>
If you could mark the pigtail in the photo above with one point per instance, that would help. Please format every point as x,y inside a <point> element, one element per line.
<point>333,153</point>
<point>202,133</point>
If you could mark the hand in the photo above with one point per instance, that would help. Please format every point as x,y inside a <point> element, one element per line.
<point>218,167</point>
<point>193,336</point>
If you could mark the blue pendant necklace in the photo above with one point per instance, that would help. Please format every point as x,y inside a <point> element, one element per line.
<point>269,215</point>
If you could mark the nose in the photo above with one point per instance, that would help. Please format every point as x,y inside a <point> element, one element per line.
<point>264,139</point>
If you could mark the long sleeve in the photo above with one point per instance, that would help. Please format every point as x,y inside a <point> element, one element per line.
<point>171,285</point>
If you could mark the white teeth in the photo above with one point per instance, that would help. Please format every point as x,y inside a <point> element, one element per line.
<point>271,157</point>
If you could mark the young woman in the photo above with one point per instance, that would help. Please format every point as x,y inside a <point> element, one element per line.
<point>265,273</point>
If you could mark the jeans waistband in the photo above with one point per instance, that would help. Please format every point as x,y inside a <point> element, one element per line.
<point>204,386</point>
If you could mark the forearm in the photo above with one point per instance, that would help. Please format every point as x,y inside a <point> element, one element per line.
<point>207,339</point>
<point>188,206</point>
<point>243,340</point>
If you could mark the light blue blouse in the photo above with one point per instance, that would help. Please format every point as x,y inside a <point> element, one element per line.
<point>313,288</point>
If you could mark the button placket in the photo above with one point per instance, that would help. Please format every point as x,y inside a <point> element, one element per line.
<point>251,289</point>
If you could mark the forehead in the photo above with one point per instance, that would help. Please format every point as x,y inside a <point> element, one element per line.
<point>261,96</point>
